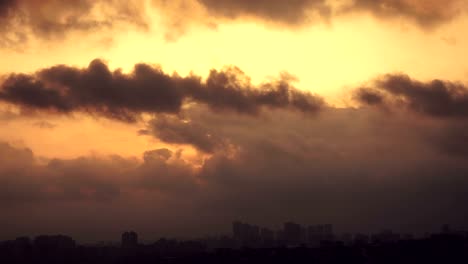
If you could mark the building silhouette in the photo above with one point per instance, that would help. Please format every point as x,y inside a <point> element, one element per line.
<point>292,233</point>
<point>129,240</point>
<point>246,234</point>
<point>447,246</point>
<point>55,242</point>
<point>385,236</point>
<point>318,233</point>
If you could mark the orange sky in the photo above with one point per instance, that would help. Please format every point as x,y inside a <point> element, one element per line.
<point>377,107</point>
<point>327,58</point>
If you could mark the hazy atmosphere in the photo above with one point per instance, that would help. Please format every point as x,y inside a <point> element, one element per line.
<point>175,118</point>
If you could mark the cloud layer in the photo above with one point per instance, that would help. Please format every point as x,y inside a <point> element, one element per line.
<point>423,12</point>
<point>20,19</point>
<point>239,151</point>
<point>98,90</point>
<point>360,169</point>
<point>299,12</point>
<point>292,12</point>
<point>436,98</point>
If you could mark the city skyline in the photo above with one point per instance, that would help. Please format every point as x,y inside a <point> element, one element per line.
<point>447,245</point>
<point>243,234</point>
<point>246,235</point>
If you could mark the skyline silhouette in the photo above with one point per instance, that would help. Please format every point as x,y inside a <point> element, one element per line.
<point>248,243</point>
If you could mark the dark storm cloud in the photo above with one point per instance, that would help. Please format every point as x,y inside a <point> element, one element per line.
<point>98,90</point>
<point>436,98</point>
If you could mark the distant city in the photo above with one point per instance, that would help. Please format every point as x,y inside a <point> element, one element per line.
<point>249,243</point>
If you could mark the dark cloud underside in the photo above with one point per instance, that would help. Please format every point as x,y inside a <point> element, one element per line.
<point>296,12</point>
<point>426,13</point>
<point>113,94</point>
<point>288,12</point>
<point>436,98</point>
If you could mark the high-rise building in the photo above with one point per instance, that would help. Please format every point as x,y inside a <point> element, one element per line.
<point>240,230</point>
<point>267,234</point>
<point>445,229</point>
<point>386,236</point>
<point>247,235</point>
<point>328,232</point>
<point>129,240</point>
<point>292,233</point>
<point>319,233</point>
<point>54,242</point>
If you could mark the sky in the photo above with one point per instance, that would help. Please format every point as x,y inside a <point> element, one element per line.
<point>175,118</point>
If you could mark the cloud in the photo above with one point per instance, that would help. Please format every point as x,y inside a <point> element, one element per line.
<point>165,172</point>
<point>341,162</point>
<point>6,115</point>
<point>98,90</point>
<point>28,178</point>
<point>293,12</point>
<point>443,103</point>
<point>437,98</point>
<point>172,129</point>
<point>20,19</point>
<point>44,125</point>
<point>424,13</point>
<point>452,138</point>
<point>360,169</point>
<point>369,96</point>
<point>298,13</point>
<point>25,179</point>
